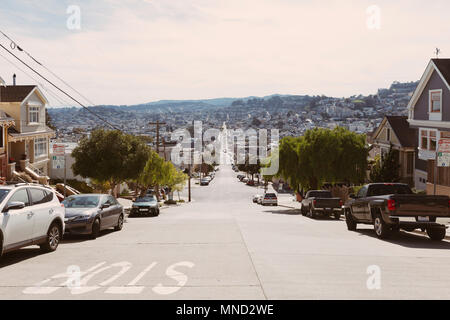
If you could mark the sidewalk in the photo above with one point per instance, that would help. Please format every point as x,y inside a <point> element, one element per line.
<point>286,200</point>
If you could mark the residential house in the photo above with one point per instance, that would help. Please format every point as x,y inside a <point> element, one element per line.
<point>5,123</point>
<point>394,131</point>
<point>28,139</point>
<point>429,113</point>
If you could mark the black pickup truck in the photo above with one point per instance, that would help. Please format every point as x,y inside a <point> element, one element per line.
<point>390,207</point>
<point>321,202</point>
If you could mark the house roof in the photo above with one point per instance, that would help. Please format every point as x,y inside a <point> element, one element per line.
<point>444,67</point>
<point>15,93</point>
<point>5,117</point>
<point>402,130</point>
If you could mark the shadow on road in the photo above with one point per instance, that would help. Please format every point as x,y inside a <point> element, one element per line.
<point>290,212</point>
<point>410,240</point>
<point>19,256</point>
<point>76,238</point>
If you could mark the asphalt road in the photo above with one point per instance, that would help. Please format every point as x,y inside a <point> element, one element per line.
<point>222,246</point>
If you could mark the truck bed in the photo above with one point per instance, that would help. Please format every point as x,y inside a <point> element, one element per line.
<point>420,205</point>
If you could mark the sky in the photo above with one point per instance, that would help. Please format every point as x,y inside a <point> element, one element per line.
<point>137,51</point>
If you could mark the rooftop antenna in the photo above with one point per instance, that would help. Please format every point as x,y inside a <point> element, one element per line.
<point>437,52</point>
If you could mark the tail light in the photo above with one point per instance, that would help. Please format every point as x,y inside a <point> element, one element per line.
<point>391,205</point>
<point>341,203</point>
<point>315,202</point>
<point>449,204</point>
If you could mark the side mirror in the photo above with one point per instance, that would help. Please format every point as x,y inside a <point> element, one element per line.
<point>16,205</point>
<point>105,205</point>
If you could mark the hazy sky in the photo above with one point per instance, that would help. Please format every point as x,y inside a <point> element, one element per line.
<point>136,51</point>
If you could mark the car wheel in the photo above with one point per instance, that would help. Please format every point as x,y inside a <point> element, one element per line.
<point>95,228</point>
<point>436,233</point>
<point>382,229</point>
<point>337,215</point>
<point>1,247</point>
<point>311,213</point>
<point>302,211</point>
<point>119,223</point>
<point>351,223</point>
<point>54,235</point>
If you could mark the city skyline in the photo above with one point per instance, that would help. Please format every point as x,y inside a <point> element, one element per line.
<point>212,49</point>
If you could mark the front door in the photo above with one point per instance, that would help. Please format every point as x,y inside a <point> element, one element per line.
<point>42,209</point>
<point>18,224</point>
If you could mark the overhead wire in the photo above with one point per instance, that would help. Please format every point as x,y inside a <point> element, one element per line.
<point>14,45</point>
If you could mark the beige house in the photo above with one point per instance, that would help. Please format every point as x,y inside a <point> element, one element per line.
<point>28,139</point>
<point>395,131</point>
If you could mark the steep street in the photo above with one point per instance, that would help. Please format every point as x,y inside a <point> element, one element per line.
<point>221,246</point>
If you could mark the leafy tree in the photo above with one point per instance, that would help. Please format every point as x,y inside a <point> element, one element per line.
<point>48,120</point>
<point>177,180</point>
<point>323,155</point>
<point>109,156</point>
<point>154,173</point>
<point>386,169</point>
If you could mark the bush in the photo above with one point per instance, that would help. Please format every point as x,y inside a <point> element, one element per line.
<point>170,202</point>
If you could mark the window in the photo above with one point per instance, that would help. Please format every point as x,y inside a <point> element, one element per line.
<point>424,140</point>
<point>386,189</point>
<point>2,139</point>
<point>428,140</point>
<point>111,200</point>
<point>40,147</point>
<point>21,196</point>
<point>432,145</point>
<point>33,114</point>
<point>362,192</point>
<point>40,196</point>
<point>388,134</point>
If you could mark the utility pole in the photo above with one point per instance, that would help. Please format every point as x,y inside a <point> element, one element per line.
<point>157,123</point>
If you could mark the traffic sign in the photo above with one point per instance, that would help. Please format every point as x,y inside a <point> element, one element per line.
<point>444,145</point>
<point>59,149</point>
<point>58,162</point>
<point>443,159</point>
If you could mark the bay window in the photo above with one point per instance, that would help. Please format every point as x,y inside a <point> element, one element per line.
<point>40,147</point>
<point>33,114</point>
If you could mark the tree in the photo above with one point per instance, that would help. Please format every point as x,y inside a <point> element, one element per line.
<point>386,169</point>
<point>323,155</point>
<point>154,173</point>
<point>110,156</point>
<point>177,180</point>
<point>48,120</point>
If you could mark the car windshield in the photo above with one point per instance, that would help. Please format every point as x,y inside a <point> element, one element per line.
<point>386,189</point>
<point>3,193</point>
<point>270,195</point>
<point>145,199</point>
<point>320,194</point>
<point>82,202</point>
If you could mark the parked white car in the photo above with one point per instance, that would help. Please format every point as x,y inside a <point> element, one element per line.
<point>269,199</point>
<point>30,215</point>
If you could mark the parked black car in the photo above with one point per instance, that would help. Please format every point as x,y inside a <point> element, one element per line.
<point>91,213</point>
<point>390,207</point>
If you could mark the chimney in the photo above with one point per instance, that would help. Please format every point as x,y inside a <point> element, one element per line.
<point>14,79</point>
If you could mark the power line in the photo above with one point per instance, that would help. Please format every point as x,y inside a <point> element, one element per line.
<point>49,92</point>
<point>58,88</point>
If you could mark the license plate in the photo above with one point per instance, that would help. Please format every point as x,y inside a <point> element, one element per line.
<point>143,209</point>
<point>424,219</point>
